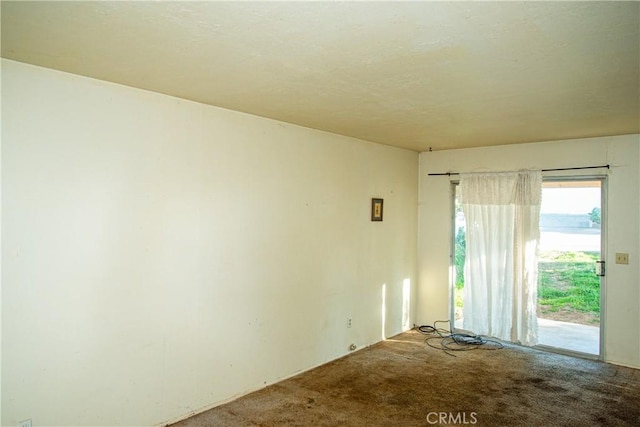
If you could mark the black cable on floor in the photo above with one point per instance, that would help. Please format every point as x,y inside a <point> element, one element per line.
<point>449,341</point>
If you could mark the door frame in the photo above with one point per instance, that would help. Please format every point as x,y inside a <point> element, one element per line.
<point>452,256</point>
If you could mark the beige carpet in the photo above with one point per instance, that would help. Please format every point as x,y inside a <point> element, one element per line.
<point>404,382</point>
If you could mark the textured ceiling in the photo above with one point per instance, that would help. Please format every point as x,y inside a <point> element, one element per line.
<point>411,74</point>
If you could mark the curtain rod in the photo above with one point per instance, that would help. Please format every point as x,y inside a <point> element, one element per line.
<point>543,170</point>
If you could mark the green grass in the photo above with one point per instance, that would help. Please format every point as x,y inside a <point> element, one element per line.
<point>567,281</point>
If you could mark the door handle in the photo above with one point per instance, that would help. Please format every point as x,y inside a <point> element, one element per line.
<point>600,268</point>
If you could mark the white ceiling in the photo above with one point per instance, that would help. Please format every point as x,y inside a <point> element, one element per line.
<point>411,74</point>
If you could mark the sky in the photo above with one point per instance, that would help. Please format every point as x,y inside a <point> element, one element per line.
<point>570,200</point>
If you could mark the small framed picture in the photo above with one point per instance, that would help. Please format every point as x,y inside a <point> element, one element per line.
<point>376,209</point>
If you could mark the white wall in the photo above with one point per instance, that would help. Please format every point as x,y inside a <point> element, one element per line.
<point>622,296</point>
<point>161,256</point>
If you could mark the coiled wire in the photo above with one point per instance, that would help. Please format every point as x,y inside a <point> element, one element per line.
<point>447,341</point>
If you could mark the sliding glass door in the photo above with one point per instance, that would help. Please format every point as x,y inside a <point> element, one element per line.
<point>570,287</point>
<point>569,284</point>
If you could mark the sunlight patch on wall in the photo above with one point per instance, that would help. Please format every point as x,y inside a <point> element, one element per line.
<point>406,304</point>
<point>384,310</point>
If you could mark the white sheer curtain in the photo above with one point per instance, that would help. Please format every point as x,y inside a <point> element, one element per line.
<point>502,212</point>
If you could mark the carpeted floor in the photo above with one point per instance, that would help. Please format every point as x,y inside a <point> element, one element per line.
<point>404,382</point>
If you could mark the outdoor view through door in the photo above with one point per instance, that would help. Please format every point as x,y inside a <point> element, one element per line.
<point>568,287</point>
<point>569,296</point>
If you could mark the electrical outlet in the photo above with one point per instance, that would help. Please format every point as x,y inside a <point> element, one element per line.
<point>622,258</point>
<point>25,423</point>
<point>349,322</point>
